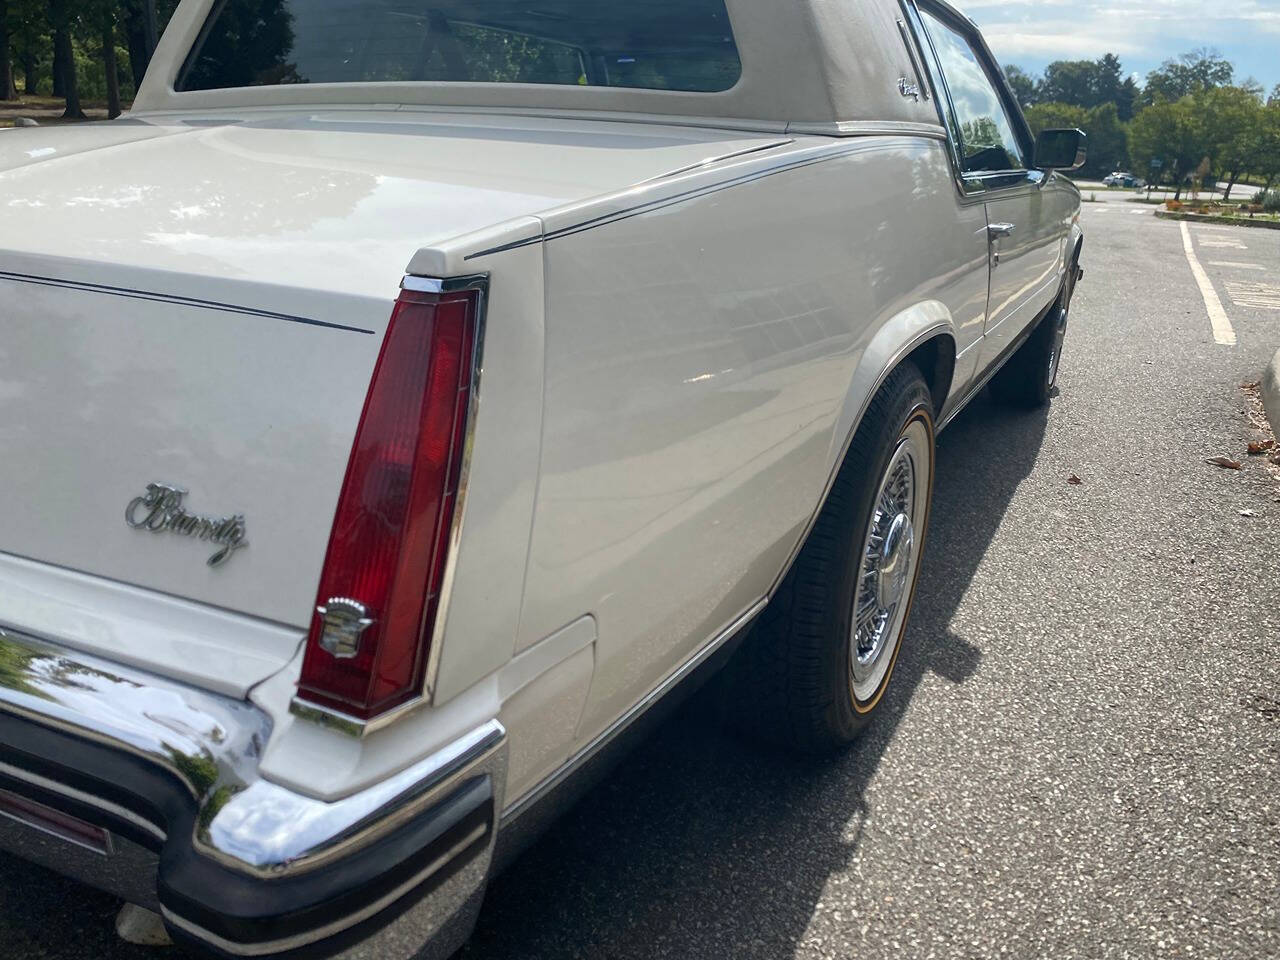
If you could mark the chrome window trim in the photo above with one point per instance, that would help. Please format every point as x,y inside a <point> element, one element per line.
<point>909,42</point>
<point>972,187</point>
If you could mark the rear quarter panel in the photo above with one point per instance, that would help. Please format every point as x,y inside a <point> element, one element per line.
<point>700,357</point>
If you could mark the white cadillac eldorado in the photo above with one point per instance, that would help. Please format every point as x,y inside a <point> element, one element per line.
<point>408,394</point>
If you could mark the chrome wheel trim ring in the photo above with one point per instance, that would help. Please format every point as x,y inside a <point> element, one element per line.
<point>1060,334</point>
<point>889,560</point>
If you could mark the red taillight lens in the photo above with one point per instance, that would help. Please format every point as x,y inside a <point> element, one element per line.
<point>387,552</point>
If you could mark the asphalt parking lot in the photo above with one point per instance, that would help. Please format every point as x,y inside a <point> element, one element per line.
<point>1080,755</point>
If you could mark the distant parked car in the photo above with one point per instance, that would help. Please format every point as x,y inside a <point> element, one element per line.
<point>1122,179</point>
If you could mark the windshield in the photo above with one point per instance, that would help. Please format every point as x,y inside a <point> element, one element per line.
<point>682,45</point>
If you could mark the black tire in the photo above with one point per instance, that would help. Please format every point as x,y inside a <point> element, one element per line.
<point>792,681</point>
<point>1028,378</point>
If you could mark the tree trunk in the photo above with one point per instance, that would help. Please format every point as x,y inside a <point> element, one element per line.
<point>151,26</point>
<point>71,89</point>
<point>113,72</point>
<point>135,36</point>
<point>59,72</point>
<point>7,89</point>
<point>1230,185</point>
<point>28,60</point>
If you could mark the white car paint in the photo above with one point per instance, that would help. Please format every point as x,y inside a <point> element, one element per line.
<point>687,316</point>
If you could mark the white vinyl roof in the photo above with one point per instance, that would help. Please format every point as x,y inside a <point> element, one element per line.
<point>810,66</point>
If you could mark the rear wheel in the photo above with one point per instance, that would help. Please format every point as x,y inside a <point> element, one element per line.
<point>1028,379</point>
<point>816,665</point>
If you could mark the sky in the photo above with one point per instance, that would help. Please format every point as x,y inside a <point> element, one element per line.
<point>1142,33</point>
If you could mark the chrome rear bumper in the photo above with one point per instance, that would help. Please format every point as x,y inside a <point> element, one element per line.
<point>235,863</point>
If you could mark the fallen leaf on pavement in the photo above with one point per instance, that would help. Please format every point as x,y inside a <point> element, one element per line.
<point>1260,446</point>
<point>1225,462</point>
<point>1248,513</point>
<point>1074,480</point>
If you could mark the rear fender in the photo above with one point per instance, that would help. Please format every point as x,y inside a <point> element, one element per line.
<point>892,343</point>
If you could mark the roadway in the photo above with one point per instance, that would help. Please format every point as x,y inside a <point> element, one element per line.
<point>1080,755</point>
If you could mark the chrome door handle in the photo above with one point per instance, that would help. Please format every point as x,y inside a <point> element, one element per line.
<point>997,230</point>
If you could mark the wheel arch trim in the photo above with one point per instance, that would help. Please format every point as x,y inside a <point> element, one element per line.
<point>898,339</point>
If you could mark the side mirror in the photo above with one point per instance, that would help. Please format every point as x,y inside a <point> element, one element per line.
<point>1060,150</point>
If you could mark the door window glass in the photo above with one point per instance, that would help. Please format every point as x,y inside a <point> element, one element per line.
<point>987,140</point>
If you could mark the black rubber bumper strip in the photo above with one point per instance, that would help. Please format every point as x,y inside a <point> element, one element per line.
<point>138,799</point>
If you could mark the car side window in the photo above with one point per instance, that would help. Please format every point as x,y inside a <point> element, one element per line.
<point>987,141</point>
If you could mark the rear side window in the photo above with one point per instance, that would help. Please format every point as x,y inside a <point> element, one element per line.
<point>684,45</point>
<point>987,140</point>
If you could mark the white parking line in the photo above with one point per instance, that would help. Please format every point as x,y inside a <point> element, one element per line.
<point>1137,213</point>
<point>1250,293</point>
<point>1222,330</point>
<point>1236,265</point>
<point>1232,243</point>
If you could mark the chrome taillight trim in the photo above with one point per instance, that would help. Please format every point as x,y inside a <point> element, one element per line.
<point>356,726</point>
<point>480,285</point>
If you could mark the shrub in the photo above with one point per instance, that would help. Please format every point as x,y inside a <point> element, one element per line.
<point>1173,205</point>
<point>1270,201</point>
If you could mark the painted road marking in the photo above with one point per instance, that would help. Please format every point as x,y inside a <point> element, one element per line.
<point>1250,293</point>
<point>1235,265</point>
<point>1222,331</point>
<point>1137,213</point>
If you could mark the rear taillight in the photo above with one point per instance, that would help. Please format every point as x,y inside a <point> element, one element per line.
<point>379,595</point>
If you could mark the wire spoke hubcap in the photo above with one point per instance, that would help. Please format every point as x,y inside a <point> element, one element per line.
<point>888,565</point>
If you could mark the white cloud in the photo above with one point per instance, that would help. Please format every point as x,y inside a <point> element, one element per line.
<point>1143,32</point>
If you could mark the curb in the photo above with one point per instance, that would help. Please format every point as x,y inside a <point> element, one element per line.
<point>1271,392</point>
<point>1213,218</point>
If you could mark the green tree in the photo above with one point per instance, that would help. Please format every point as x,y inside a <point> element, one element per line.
<point>29,37</point>
<point>1231,126</point>
<point>1190,73</point>
<point>1108,77</point>
<point>1127,99</point>
<point>7,89</point>
<point>1108,141</point>
<point>1049,116</point>
<point>1070,81</point>
<point>1267,161</point>
<point>1022,84</point>
<point>1170,134</point>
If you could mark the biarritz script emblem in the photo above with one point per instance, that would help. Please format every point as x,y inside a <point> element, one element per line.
<point>160,509</point>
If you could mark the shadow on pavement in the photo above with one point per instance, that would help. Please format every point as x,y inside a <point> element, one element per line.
<point>702,845</point>
<point>699,845</point>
